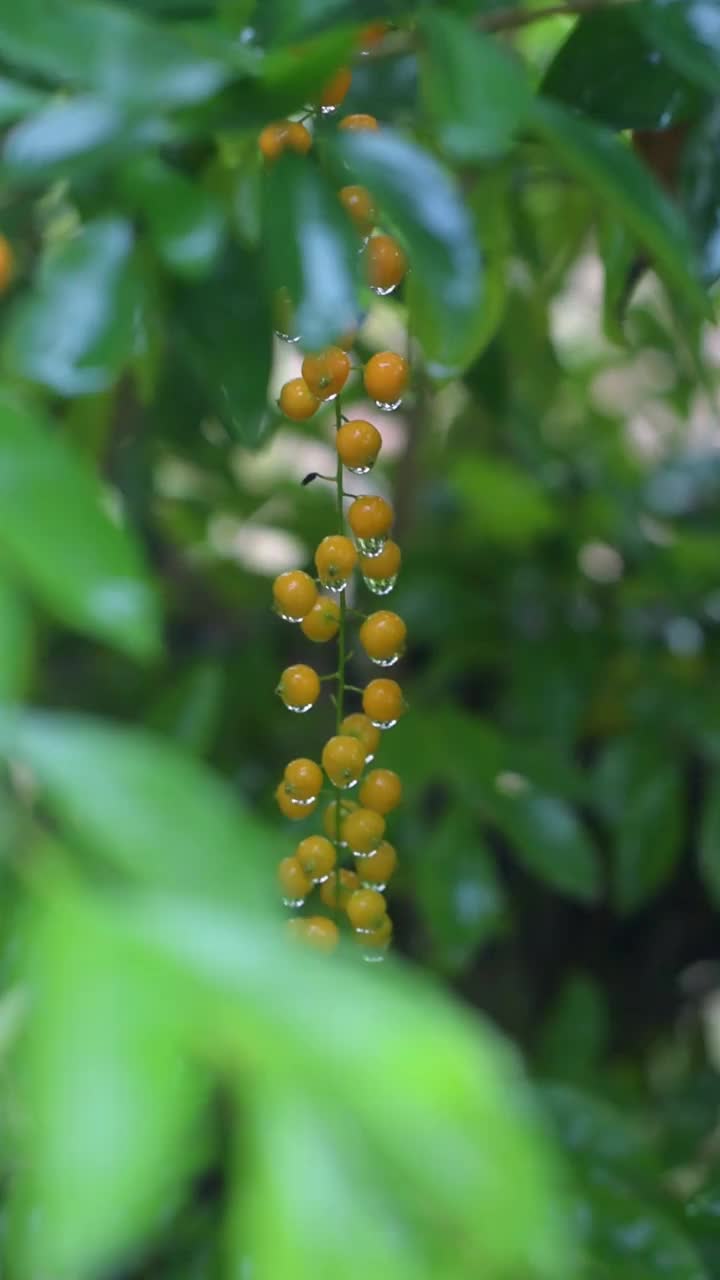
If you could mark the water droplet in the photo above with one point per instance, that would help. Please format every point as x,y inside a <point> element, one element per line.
<point>358,471</point>
<point>300,710</point>
<point>328,111</point>
<point>388,406</point>
<point>321,879</point>
<point>380,586</point>
<point>369,757</point>
<point>357,854</point>
<point>384,724</point>
<point>304,803</point>
<point>295,903</point>
<point>371,547</point>
<point>287,337</point>
<point>337,586</point>
<point>329,399</point>
<point>287,617</point>
<point>373,884</point>
<point>373,957</point>
<point>386,662</point>
<point>383,293</point>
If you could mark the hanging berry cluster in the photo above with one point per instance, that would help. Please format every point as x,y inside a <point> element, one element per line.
<point>347,866</point>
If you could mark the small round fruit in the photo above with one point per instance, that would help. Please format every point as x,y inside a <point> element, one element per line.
<point>381,790</point>
<point>323,620</point>
<point>370,519</point>
<point>335,560</point>
<point>334,817</point>
<point>316,856</point>
<point>358,443</point>
<point>295,884</point>
<point>383,567</point>
<point>274,139</point>
<point>327,372</point>
<point>379,868</point>
<point>7,263</point>
<point>299,687</point>
<point>321,933</point>
<point>361,727</point>
<point>295,810</point>
<point>359,121</point>
<point>336,896</point>
<point>295,595</point>
<point>383,636</point>
<point>375,941</point>
<point>298,137</point>
<point>363,831</point>
<point>383,702</point>
<point>358,204</point>
<point>297,400</point>
<point>385,377</point>
<point>366,909</point>
<point>385,263</point>
<point>303,780</point>
<point>371,36</point>
<point>336,89</point>
<point>343,760</point>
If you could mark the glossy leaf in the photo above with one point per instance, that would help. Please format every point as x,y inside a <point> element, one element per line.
<point>17,99</point>
<point>186,223</point>
<point>548,837</point>
<point>141,805</point>
<point>688,33</point>
<point>475,94</point>
<point>90,278</point>
<point>425,204</point>
<point>61,542</point>
<point>608,167</point>
<point>311,250</point>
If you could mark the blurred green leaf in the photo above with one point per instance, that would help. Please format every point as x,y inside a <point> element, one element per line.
<point>576,1031</point>
<point>608,69</point>
<point>186,223</point>
<point>700,190</point>
<point>610,169</point>
<point>594,1132</point>
<point>311,250</point>
<point>631,1236</point>
<point>709,849</point>
<point>89,277</point>
<point>547,836</point>
<point>64,138</point>
<point>142,805</point>
<point>285,20</point>
<point>458,890</point>
<point>63,544</point>
<point>476,95</point>
<point>503,503</point>
<point>17,99</point>
<point>425,204</point>
<point>224,330</point>
<point>702,1221</point>
<point>688,33</point>
<point>17,640</point>
<point>189,710</point>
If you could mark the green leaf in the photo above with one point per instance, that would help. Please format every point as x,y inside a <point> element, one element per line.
<point>425,205</point>
<point>502,502</point>
<point>61,542</point>
<point>142,805</point>
<point>17,99</point>
<point>64,138</point>
<point>608,69</point>
<point>90,278</point>
<point>709,851</point>
<point>593,1131</point>
<point>457,890</point>
<point>224,328</point>
<point>630,1236</point>
<point>687,33</point>
<point>311,250</point>
<point>106,48</point>
<point>284,20</point>
<point>476,95</point>
<point>190,709</point>
<point>114,1101</point>
<point>576,1032</point>
<point>610,169</point>
<point>186,223</point>
<point>16,642</point>
<point>548,838</point>
<point>700,190</point>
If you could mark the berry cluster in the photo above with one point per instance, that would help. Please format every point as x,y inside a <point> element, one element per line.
<point>352,894</point>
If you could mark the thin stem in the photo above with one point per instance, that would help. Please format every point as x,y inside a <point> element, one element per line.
<point>340,699</point>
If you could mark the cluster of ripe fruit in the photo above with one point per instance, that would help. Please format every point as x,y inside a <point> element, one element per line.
<point>353,895</point>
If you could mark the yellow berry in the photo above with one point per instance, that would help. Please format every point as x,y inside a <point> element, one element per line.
<point>295,810</point>
<point>295,594</point>
<point>383,636</point>
<point>366,909</point>
<point>359,121</point>
<point>334,817</point>
<point>316,856</point>
<point>370,519</point>
<point>294,883</point>
<point>303,780</point>
<point>335,560</point>
<point>385,263</point>
<point>299,687</point>
<point>327,372</point>
<point>381,790</point>
<point>336,896</point>
<point>297,400</point>
<point>323,620</point>
<point>358,443</point>
<point>385,377</point>
<point>343,760</point>
<point>361,727</point>
<point>363,831</point>
<point>381,569</point>
<point>321,933</point>
<point>383,702</point>
<point>379,867</point>
<point>335,91</point>
<point>358,204</point>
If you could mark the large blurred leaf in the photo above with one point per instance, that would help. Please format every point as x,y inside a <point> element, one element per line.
<point>475,94</point>
<point>74,332</point>
<point>186,222</point>
<point>17,99</point>
<point>610,169</point>
<point>65,138</point>
<point>105,47</point>
<point>311,250</point>
<point>16,642</point>
<point>224,330</point>
<point>607,69</point>
<point>190,708</point>
<point>688,33</point>
<point>285,20</point>
<point>62,543</point>
<point>425,204</point>
<point>548,837</point>
<point>142,805</point>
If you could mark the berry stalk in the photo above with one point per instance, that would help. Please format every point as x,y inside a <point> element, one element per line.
<point>340,699</point>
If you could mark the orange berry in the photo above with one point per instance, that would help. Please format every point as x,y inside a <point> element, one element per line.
<point>298,137</point>
<point>383,702</point>
<point>295,885</point>
<point>326,373</point>
<point>366,909</point>
<point>335,91</point>
<point>299,687</point>
<point>346,341</point>
<point>358,443</point>
<point>316,856</point>
<point>383,636</point>
<point>371,35</point>
<point>7,263</point>
<point>295,810</point>
<point>379,867</point>
<point>358,204</point>
<point>343,760</point>
<point>381,790</point>
<point>297,400</point>
<point>323,620</point>
<point>380,571</point>
<point>363,831</point>
<point>337,897</point>
<point>295,595</point>
<point>370,519</point>
<point>334,817</point>
<point>303,780</point>
<point>273,139</point>
<point>385,376</point>
<point>361,727</point>
<point>335,560</point>
<point>375,940</point>
<point>359,121</point>
<point>321,933</point>
<point>385,262</point>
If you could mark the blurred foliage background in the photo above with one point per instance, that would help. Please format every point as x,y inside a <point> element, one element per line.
<point>179,1097</point>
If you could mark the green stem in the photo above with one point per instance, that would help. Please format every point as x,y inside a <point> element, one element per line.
<point>340,699</point>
